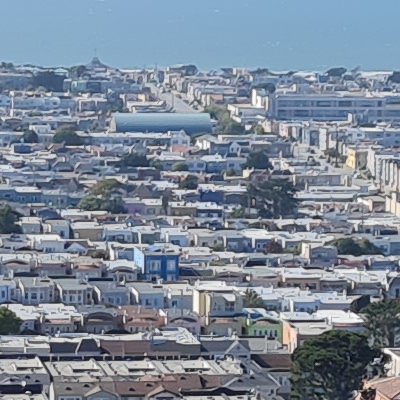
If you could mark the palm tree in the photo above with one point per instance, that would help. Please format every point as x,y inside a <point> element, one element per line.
<point>252,299</point>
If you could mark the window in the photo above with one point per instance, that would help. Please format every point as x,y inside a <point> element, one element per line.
<point>155,266</point>
<point>345,103</point>
<point>323,103</point>
<point>171,265</point>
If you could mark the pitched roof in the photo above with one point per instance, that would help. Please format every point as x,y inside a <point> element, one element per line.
<point>63,347</point>
<point>88,346</point>
<point>387,387</point>
<point>273,360</point>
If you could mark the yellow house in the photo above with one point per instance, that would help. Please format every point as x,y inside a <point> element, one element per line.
<point>216,299</point>
<point>224,326</point>
<point>356,158</point>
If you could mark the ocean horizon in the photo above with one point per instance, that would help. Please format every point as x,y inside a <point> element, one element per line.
<point>277,34</point>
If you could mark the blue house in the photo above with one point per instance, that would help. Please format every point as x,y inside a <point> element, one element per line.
<point>213,196</point>
<point>159,261</point>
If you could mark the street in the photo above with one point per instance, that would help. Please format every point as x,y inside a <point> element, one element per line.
<point>173,102</point>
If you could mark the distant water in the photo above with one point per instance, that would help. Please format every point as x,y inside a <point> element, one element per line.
<point>280,34</point>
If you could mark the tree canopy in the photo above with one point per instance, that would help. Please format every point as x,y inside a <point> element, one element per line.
<point>70,138</point>
<point>258,160</point>
<point>395,77</point>
<point>336,71</point>
<point>333,366</point>
<point>104,196</point>
<point>180,167</point>
<point>105,187</point>
<point>113,205</point>
<point>49,80</point>
<point>133,160</point>
<point>10,324</point>
<point>225,123</point>
<point>78,71</point>
<point>259,130</point>
<point>30,137</point>
<point>383,322</point>
<point>268,86</point>
<point>350,246</point>
<point>273,199</point>
<point>8,219</point>
<point>252,299</point>
<point>191,182</point>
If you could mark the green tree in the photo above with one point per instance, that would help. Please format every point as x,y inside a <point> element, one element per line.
<point>225,123</point>
<point>395,77</point>
<point>30,137</point>
<point>252,299</point>
<point>383,322</point>
<point>69,138</point>
<point>333,366</point>
<point>233,128</point>
<point>238,213</point>
<point>113,205</point>
<point>180,167</point>
<point>273,199</point>
<point>191,182</point>
<point>258,160</point>
<point>259,130</point>
<point>7,66</point>
<point>156,164</point>
<point>10,324</point>
<point>215,111</point>
<point>104,196</point>
<point>91,203</point>
<point>133,160</point>
<point>49,80</point>
<point>350,246</point>
<point>106,187</point>
<point>8,219</point>
<point>336,72</point>
<point>78,71</point>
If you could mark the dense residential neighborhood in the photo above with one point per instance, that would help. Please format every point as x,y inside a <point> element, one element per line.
<point>171,233</point>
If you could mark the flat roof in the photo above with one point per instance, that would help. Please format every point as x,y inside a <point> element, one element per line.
<point>162,122</point>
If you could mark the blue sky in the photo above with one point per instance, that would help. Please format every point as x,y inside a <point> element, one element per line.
<point>280,34</point>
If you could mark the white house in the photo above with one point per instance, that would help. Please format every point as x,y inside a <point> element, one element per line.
<point>48,243</point>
